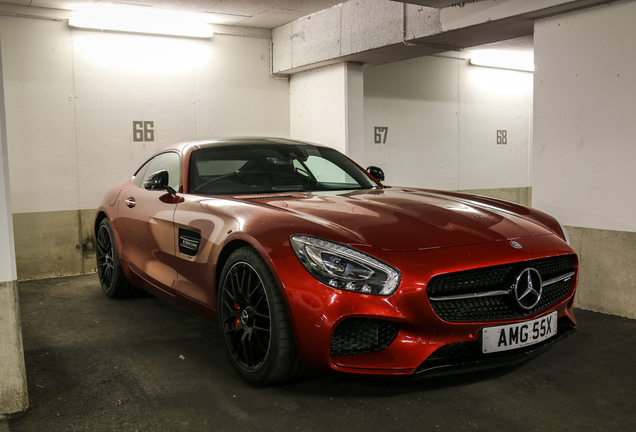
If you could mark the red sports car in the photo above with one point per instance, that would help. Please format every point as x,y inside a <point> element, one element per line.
<point>306,260</point>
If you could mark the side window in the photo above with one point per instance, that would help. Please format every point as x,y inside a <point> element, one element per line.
<point>170,162</point>
<point>139,175</point>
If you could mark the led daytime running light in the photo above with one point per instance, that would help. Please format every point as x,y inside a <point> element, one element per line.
<point>341,267</point>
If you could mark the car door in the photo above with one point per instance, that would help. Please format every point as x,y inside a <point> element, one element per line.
<point>198,228</point>
<point>202,222</point>
<point>145,222</point>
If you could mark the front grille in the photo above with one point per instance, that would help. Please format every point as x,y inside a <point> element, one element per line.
<point>491,290</point>
<point>362,336</point>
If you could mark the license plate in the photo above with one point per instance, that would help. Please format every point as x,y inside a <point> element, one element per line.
<point>512,336</point>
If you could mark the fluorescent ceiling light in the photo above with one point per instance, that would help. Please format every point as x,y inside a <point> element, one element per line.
<point>140,20</point>
<point>504,60</point>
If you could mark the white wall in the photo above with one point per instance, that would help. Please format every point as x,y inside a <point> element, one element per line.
<point>72,96</point>
<point>585,92</point>
<point>491,100</point>
<point>326,106</point>
<point>443,116</point>
<point>38,83</point>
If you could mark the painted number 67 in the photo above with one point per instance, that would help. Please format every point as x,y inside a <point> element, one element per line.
<point>379,134</point>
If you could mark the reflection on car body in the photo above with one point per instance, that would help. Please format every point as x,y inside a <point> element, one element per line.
<point>306,261</point>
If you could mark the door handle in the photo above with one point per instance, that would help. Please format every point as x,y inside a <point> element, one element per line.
<point>130,202</point>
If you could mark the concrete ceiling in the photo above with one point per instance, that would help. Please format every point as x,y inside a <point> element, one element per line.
<point>272,14</point>
<point>267,14</point>
<point>248,13</point>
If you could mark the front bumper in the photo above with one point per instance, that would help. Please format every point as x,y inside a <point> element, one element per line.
<point>419,341</point>
<point>467,357</point>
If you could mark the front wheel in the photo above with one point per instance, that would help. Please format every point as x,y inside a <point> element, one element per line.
<point>254,321</point>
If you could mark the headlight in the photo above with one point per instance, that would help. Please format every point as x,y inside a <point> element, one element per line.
<point>341,267</point>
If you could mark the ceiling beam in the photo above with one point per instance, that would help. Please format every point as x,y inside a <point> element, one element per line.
<point>377,31</point>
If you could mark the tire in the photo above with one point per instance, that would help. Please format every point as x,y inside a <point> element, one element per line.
<point>254,322</point>
<point>111,276</point>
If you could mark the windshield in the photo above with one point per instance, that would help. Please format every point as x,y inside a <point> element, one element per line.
<point>267,168</point>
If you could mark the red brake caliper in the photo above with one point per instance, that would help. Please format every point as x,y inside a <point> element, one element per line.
<point>237,320</point>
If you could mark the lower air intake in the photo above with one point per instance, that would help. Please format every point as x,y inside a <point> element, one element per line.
<point>362,336</point>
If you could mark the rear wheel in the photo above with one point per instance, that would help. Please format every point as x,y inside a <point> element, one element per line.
<point>111,277</point>
<point>254,321</point>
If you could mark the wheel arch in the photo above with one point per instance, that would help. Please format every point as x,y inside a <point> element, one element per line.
<point>99,217</point>
<point>225,254</point>
<point>238,243</point>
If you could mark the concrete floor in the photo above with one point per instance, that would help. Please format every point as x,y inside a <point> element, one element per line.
<point>95,364</point>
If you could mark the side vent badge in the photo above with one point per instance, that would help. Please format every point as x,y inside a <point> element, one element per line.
<point>189,242</point>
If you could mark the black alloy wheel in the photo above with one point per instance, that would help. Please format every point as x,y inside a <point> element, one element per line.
<point>247,317</point>
<point>111,277</point>
<point>254,321</point>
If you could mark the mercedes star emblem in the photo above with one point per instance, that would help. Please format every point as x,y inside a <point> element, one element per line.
<point>528,289</point>
<point>515,244</point>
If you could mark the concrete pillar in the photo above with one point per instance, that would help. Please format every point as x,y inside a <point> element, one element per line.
<point>326,107</point>
<point>584,152</point>
<point>13,386</point>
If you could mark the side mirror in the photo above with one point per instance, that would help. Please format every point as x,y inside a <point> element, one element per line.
<point>376,172</point>
<point>159,181</point>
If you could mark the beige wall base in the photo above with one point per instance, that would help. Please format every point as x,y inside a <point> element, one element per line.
<point>54,244</point>
<point>607,270</point>
<point>14,395</point>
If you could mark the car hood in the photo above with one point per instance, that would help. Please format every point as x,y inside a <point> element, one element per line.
<point>398,219</point>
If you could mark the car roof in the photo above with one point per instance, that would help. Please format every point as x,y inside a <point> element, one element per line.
<point>192,145</point>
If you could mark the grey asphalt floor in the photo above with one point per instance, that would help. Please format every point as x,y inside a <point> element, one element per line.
<point>95,364</point>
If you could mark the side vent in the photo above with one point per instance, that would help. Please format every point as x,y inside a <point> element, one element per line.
<point>189,242</point>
